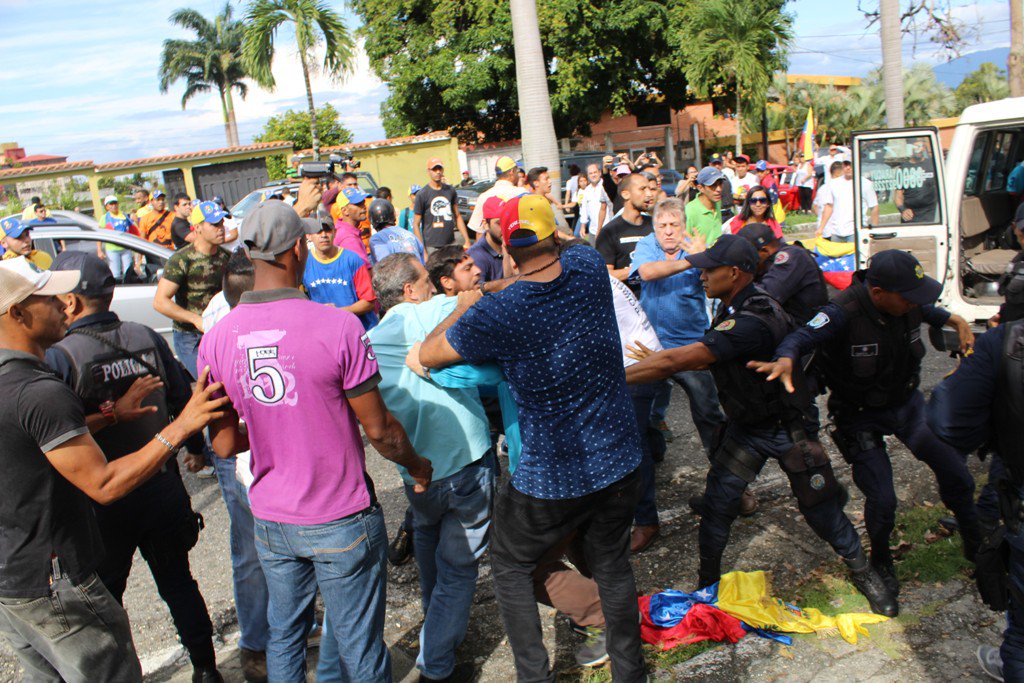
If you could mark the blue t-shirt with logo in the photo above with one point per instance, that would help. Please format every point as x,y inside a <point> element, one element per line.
<point>394,240</point>
<point>558,344</point>
<point>675,305</point>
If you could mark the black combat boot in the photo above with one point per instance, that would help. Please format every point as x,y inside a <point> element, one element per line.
<point>710,571</point>
<point>871,585</point>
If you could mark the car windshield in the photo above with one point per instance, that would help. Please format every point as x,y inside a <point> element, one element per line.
<point>247,204</point>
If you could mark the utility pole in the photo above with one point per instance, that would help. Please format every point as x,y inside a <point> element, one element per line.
<point>892,62</point>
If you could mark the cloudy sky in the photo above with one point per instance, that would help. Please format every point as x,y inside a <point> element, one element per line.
<point>80,79</point>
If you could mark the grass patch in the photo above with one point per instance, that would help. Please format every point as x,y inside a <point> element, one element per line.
<point>930,562</point>
<point>794,219</point>
<point>663,659</point>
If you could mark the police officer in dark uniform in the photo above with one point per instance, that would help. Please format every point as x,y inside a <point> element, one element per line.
<point>870,349</point>
<point>787,272</point>
<point>981,405</point>
<point>763,421</point>
<point>101,357</point>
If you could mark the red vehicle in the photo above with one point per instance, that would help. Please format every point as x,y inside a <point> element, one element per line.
<point>789,195</point>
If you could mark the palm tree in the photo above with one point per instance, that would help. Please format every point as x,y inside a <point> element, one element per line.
<point>314,23</point>
<point>212,61</point>
<point>743,41</point>
<point>540,147</point>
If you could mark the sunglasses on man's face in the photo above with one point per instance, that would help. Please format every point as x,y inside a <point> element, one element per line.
<point>758,200</point>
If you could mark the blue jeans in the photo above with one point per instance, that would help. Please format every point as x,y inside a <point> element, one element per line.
<point>251,596</point>
<point>120,262</point>
<point>700,389</point>
<point>186,346</point>
<point>452,521</point>
<point>347,560</point>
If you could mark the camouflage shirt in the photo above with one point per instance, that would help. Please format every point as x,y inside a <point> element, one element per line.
<point>199,277</point>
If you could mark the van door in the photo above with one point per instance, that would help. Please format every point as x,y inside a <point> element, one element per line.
<point>900,171</point>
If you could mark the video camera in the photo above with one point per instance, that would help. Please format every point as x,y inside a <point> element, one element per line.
<point>333,167</point>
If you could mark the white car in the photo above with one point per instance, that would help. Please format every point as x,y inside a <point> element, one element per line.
<point>133,296</point>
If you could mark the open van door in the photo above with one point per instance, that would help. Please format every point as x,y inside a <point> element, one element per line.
<point>902,170</point>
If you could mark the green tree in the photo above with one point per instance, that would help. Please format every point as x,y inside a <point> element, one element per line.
<point>294,125</point>
<point>984,84</point>
<point>315,25</point>
<point>450,64</point>
<point>210,62</point>
<point>739,45</point>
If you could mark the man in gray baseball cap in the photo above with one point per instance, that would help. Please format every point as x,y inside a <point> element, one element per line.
<point>272,229</point>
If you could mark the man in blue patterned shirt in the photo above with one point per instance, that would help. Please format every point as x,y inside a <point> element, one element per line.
<point>554,335</point>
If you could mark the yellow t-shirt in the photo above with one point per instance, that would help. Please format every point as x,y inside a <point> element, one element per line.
<point>41,259</point>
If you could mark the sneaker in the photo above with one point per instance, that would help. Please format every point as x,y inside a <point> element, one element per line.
<point>665,431</point>
<point>576,628</point>
<point>400,549</point>
<point>207,473</point>
<point>254,665</point>
<point>593,652</point>
<point>991,662</point>
<point>462,673</point>
<point>315,635</point>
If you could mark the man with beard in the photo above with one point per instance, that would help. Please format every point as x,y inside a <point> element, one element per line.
<point>619,237</point>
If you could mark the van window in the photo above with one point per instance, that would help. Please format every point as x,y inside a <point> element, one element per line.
<point>1001,162</point>
<point>971,186</point>
<point>902,171</point>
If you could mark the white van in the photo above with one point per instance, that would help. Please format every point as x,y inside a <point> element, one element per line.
<point>954,215</point>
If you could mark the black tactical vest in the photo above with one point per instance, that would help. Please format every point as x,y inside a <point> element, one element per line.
<point>806,301</point>
<point>102,373</point>
<point>1008,407</point>
<point>878,362</point>
<point>745,395</point>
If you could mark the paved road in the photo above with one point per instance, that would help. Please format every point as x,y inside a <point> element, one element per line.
<point>671,564</point>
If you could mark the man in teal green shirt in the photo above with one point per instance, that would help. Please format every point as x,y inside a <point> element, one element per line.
<point>447,426</point>
<point>703,212</point>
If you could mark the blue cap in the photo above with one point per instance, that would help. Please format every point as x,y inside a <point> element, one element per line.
<point>761,165</point>
<point>157,194</point>
<point>219,200</point>
<point>13,227</point>
<point>413,189</point>
<point>209,212</point>
<point>895,270</point>
<point>728,250</point>
<point>708,176</point>
<point>354,195</point>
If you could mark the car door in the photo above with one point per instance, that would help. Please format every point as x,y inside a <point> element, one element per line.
<point>903,168</point>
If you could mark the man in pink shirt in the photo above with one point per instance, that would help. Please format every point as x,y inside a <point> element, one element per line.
<point>303,377</point>
<point>349,211</point>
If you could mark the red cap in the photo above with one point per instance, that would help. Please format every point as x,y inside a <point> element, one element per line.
<point>492,207</point>
<point>434,162</point>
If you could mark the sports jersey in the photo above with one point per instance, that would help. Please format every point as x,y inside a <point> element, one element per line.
<point>340,281</point>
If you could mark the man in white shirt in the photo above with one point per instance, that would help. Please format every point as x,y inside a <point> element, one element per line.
<point>868,196</point>
<point>743,179</point>
<point>597,207</point>
<point>837,206</point>
<point>835,153</point>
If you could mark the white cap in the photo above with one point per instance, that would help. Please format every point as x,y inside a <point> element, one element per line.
<point>110,198</point>
<point>20,279</point>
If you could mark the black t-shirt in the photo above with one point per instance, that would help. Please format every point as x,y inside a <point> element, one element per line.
<point>180,229</point>
<point>618,239</point>
<point>436,209</point>
<point>41,513</point>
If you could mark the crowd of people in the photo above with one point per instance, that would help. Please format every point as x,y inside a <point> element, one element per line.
<point>518,380</point>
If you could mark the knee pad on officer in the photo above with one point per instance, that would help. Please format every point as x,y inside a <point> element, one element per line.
<point>810,473</point>
<point>739,460</point>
